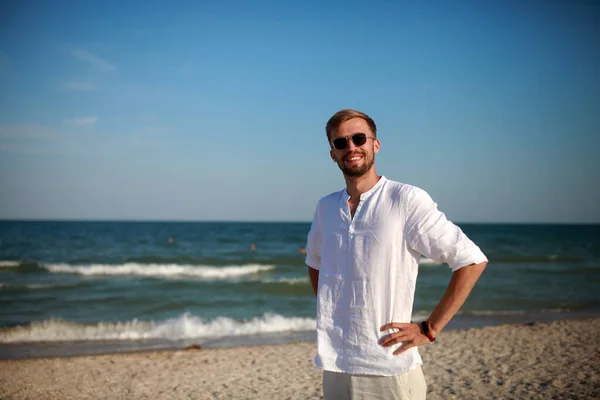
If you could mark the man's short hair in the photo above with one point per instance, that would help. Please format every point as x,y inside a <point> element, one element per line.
<point>343,116</point>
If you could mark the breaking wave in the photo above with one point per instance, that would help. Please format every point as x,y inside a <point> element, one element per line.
<point>9,264</point>
<point>161,270</point>
<point>186,326</point>
<point>289,281</point>
<point>428,261</point>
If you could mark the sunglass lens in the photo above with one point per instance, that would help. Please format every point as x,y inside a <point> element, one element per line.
<point>359,139</point>
<point>340,143</point>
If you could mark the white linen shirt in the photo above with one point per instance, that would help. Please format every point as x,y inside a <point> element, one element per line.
<point>368,269</point>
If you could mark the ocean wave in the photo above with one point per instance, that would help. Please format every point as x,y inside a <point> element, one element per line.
<point>420,316</point>
<point>289,281</point>
<point>161,270</point>
<point>9,264</point>
<point>185,326</point>
<point>429,261</point>
<point>254,259</point>
<point>552,258</point>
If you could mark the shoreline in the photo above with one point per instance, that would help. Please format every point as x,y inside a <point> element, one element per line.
<point>559,359</point>
<point>59,349</point>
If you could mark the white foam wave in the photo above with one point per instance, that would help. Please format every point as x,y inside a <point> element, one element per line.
<point>161,270</point>
<point>420,316</point>
<point>428,261</point>
<point>185,326</point>
<point>9,264</point>
<point>290,281</point>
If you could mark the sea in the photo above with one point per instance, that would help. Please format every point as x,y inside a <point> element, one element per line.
<point>74,287</point>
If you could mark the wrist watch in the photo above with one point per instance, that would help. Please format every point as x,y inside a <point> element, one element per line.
<point>427,331</point>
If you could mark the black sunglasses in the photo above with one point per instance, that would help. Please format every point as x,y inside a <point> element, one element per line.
<point>358,139</point>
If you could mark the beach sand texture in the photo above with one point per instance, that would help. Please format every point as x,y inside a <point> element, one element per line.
<point>558,360</point>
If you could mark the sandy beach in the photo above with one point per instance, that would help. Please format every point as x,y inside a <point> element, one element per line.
<point>554,360</point>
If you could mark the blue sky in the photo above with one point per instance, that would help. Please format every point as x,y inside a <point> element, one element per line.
<point>216,110</point>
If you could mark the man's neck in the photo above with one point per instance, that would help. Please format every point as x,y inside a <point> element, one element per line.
<point>359,185</point>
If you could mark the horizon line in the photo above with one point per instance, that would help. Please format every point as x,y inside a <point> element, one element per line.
<point>271,221</point>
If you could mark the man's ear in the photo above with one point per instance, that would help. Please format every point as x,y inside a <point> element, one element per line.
<point>376,145</point>
<point>331,154</point>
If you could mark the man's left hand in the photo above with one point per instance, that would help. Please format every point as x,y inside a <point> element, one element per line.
<point>408,333</point>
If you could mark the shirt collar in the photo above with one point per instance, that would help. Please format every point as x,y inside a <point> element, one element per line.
<point>365,195</point>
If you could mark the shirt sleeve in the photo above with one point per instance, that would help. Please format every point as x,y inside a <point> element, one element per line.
<point>313,243</point>
<point>429,232</point>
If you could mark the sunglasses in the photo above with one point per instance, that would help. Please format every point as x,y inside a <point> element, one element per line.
<point>358,139</point>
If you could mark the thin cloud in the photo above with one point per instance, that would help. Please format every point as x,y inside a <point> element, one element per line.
<point>94,60</point>
<point>81,121</point>
<point>81,86</point>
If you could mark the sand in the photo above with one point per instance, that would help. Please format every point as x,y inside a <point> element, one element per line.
<point>557,360</point>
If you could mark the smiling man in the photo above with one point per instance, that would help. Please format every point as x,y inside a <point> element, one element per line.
<point>363,253</point>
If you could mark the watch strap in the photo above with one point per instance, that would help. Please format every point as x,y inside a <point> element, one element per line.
<point>427,331</point>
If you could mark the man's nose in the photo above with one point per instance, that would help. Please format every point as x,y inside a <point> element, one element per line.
<point>351,144</point>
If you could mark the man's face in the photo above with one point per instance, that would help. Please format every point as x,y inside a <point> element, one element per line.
<point>354,161</point>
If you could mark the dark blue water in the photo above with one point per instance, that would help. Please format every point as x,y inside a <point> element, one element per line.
<point>124,281</point>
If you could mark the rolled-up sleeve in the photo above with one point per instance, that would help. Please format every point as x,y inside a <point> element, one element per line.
<point>313,242</point>
<point>429,232</point>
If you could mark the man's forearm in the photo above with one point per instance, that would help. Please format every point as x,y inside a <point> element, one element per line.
<point>457,292</point>
<point>314,278</point>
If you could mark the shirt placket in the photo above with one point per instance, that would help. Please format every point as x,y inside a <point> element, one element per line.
<point>346,244</point>
<point>351,232</point>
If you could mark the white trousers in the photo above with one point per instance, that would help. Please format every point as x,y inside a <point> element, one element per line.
<point>408,386</point>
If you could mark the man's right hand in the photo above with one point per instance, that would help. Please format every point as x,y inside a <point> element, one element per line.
<point>410,334</point>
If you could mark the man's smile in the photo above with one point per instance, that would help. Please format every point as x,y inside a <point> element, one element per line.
<point>354,158</point>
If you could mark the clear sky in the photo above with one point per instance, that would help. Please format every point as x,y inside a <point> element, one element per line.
<point>216,110</point>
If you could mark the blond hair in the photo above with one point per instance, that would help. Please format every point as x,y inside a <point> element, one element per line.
<point>344,115</point>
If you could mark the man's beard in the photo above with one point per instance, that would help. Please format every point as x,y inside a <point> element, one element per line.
<point>356,171</point>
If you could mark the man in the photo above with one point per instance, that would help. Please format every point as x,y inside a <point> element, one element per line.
<point>363,252</point>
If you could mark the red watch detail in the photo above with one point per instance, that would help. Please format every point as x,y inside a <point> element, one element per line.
<point>427,331</point>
